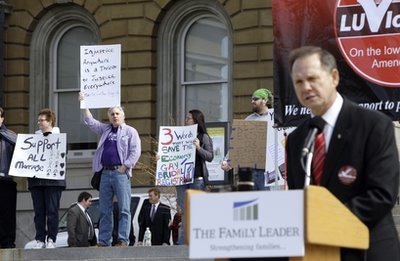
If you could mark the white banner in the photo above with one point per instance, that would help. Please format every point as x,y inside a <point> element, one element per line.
<point>101,76</point>
<point>247,224</point>
<point>177,155</point>
<point>215,173</point>
<point>36,155</point>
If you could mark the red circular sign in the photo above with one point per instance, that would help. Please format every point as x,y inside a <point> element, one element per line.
<point>368,36</point>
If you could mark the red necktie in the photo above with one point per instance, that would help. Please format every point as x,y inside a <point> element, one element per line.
<point>318,161</point>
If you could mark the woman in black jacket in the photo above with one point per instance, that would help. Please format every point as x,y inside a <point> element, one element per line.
<point>204,152</point>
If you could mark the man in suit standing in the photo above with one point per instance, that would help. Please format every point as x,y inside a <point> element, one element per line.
<point>361,167</point>
<point>155,216</point>
<point>79,225</point>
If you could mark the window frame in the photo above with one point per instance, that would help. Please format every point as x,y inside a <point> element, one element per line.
<point>172,33</point>
<point>181,68</point>
<point>43,55</point>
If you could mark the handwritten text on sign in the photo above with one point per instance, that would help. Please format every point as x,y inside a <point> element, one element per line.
<point>248,144</point>
<point>177,155</point>
<point>101,75</point>
<point>39,156</point>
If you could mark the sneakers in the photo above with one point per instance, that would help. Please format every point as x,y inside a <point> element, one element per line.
<point>39,245</point>
<point>50,244</point>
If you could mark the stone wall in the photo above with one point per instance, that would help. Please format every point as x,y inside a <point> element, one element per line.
<point>134,25</point>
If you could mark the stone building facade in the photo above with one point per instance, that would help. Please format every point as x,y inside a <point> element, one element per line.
<point>152,35</point>
<point>161,42</point>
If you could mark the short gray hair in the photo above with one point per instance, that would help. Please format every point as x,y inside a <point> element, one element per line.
<point>115,107</point>
<point>328,61</point>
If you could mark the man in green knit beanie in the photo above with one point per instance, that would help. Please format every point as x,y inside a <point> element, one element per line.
<point>260,101</point>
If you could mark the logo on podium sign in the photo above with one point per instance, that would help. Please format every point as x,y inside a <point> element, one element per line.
<point>247,224</point>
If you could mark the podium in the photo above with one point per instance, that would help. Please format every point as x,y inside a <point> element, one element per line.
<point>328,225</point>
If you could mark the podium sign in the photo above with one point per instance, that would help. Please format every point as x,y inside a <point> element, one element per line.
<point>247,224</point>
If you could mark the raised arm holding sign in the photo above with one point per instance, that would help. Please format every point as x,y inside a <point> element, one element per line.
<point>117,153</point>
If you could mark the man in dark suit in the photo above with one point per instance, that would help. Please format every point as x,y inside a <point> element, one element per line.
<point>156,216</point>
<point>361,167</point>
<point>79,225</point>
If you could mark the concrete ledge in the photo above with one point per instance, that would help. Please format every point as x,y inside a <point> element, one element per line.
<point>178,253</point>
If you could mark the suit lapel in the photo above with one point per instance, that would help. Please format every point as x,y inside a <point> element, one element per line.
<point>83,217</point>
<point>340,137</point>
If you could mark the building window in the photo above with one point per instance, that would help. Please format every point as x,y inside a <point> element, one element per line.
<point>194,66</point>
<point>204,68</point>
<point>55,73</point>
<point>66,85</point>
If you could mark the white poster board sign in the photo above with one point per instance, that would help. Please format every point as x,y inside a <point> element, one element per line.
<point>100,75</point>
<point>215,173</point>
<point>177,155</point>
<point>36,155</point>
<point>275,151</point>
<point>247,224</point>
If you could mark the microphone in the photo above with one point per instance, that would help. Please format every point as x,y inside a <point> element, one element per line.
<point>316,126</point>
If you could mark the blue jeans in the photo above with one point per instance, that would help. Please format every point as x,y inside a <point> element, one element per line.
<point>198,184</point>
<point>118,184</point>
<point>259,179</point>
<point>46,202</point>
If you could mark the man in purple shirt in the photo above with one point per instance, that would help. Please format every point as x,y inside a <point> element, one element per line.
<point>118,150</point>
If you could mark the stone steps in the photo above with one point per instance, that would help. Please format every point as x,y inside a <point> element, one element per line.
<point>171,253</point>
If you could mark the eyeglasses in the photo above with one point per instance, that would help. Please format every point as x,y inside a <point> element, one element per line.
<point>255,99</point>
<point>41,120</point>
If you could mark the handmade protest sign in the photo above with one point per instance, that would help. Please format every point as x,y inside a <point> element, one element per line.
<point>248,144</point>
<point>101,76</point>
<point>40,156</point>
<point>177,155</point>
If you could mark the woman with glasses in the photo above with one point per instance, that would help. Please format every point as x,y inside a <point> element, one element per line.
<point>46,193</point>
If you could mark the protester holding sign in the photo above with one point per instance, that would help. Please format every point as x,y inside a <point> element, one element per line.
<point>117,153</point>
<point>8,187</point>
<point>204,152</point>
<point>46,193</point>
<point>260,101</point>
<point>359,163</point>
